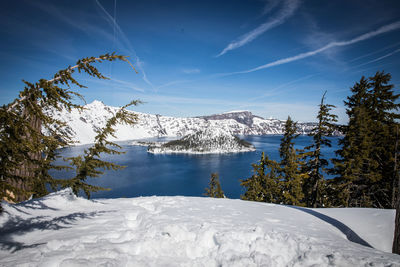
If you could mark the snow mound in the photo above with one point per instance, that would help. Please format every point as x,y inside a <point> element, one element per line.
<point>62,230</point>
<point>207,141</point>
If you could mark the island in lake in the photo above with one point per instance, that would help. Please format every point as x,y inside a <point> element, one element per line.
<point>206,141</point>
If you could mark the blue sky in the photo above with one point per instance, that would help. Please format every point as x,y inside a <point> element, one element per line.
<point>274,58</point>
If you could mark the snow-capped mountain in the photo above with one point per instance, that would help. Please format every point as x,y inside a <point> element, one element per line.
<point>243,116</point>
<point>257,125</point>
<point>82,125</point>
<point>207,141</point>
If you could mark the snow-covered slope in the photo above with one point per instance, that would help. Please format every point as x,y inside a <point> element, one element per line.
<point>83,124</point>
<point>63,230</point>
<point>207,141</point>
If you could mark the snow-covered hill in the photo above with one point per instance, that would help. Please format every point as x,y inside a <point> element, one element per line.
<point>63,230</point>
<point>82,125</point>
<point>207,141</point>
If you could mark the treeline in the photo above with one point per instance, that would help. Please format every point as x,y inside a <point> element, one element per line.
<point>366,172</point>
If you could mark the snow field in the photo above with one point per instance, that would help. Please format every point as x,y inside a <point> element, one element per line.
<point>63,230</point>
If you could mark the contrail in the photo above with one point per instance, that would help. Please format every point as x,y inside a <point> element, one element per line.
<point>363,37</point>
<point>276,89</point>
<point>374,52</point>
<point>126,41</point>
<point>377,59</point>
<point>288,9</point>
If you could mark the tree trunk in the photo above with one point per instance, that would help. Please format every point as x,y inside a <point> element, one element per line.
<point>396,177</point>
<point>27,169</point>
<point>396,237</point>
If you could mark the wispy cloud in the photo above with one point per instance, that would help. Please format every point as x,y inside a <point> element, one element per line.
<point>70,17</point>
<point>122,42</point>
<point>191,71</point>
<point>201,101</point>
<point>128,45</point>
<point>116,83</point>
<point>278,90</point>
<point>270,5</point>
<point>380,58</point>
<point>373,61</point>
<point>373,68</point>
<point>363,37</point>
<point>115,25</point>
<point>375,52</point>
<point>127,85</point>
<point>172,83</point>
<point>287,10</point>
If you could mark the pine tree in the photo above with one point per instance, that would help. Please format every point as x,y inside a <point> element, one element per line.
<point>214,189</point>
<point>315,185</point>
<point>90,164</point>
<point>290,167</point>
<point>384,112</point>
<point>366,167</point>
<point>26,153</point>
<point>264,185</point>
<point>355,166</point>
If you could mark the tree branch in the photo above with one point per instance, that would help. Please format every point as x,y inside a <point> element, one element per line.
<point>17,101</point>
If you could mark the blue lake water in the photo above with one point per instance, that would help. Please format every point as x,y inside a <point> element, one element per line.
<point>183,174</point>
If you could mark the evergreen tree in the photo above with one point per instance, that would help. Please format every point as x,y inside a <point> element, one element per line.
<point>90,164</point>
<point>384,112</point>
<point>26,153</point>
<point>355,165</point>
<point>290,167</point>
<point>367,163</point>
<point>214,189</point>
<point>315,185</point>
<point>264,185</point>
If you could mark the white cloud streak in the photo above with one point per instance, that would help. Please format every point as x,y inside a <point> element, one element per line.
<point>191,71</point>
<point>113,23</point>
<point>127,85</point>
<point>115,83</point>
<point>123,44</point>
<point>380,58</point>
<point>278,90</point>
<point>270,5</point>
<point>363,37</point>
<point>125,41</point>
<point>172,83</point>
<point>374,52</point>
<point>288,9</point>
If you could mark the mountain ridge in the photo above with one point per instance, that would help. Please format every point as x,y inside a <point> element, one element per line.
<point>82,125</point>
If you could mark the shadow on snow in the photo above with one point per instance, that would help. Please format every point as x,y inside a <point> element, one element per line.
<point>350,234</point>
<point>17,226</point>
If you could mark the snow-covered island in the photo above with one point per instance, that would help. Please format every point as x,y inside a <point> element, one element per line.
<point>207,141</point>
<point>63,230</point>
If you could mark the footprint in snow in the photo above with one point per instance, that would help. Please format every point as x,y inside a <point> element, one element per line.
<point>132,219</point>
